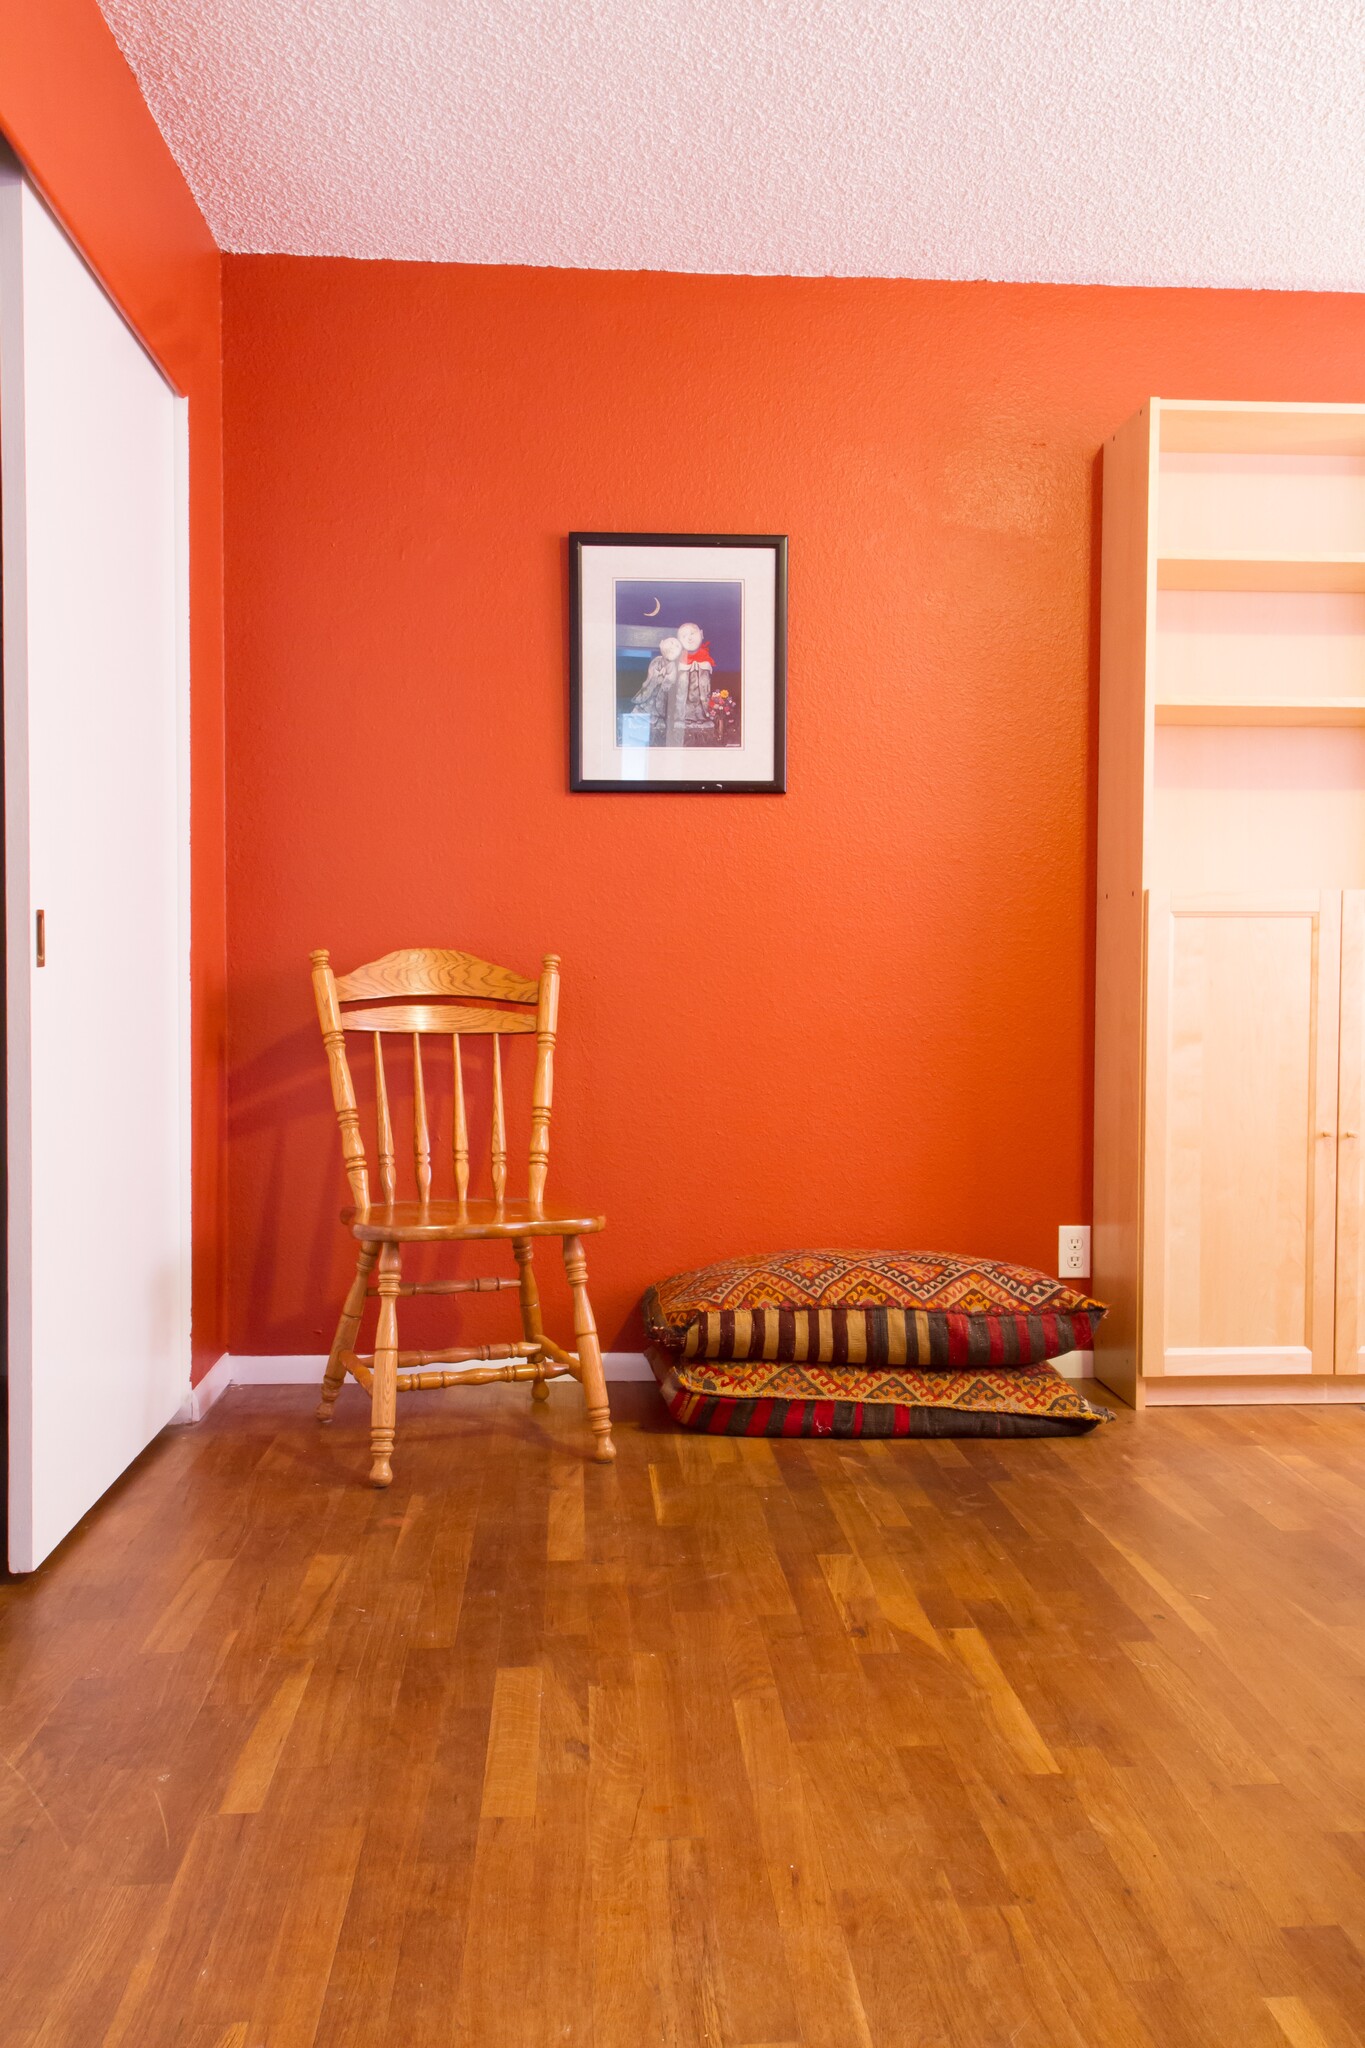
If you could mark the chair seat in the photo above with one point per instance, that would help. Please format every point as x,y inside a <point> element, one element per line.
<point>448,1222</point>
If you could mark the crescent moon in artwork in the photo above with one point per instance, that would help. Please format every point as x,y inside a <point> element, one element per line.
<point>655,613</point>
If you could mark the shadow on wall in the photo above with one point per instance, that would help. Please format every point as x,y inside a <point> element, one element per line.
<point>282,1104</point>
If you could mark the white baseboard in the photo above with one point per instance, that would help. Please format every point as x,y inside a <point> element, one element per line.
<point>284,1369</point>
<point>626,1365</point>
<point>304,1369</point>
<point>198,1400</point>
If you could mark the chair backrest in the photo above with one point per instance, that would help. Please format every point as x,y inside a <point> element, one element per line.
<point>448,995</point>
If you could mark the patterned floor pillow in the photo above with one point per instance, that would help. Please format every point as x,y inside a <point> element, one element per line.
<point>927,1309</point>
<point>738,1397</point>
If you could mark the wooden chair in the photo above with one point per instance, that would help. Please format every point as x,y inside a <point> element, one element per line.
<point>449,995</point>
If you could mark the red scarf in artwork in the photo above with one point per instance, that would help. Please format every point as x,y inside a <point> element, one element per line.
<point>698,654</point>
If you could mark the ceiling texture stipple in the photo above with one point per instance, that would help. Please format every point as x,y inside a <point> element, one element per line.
<point>1149,142</point>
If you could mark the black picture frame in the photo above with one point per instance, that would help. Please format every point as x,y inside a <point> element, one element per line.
<point>776,783</point>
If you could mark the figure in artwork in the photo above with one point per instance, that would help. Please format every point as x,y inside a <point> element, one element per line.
<point>696,669</point>
<point>654,698</point>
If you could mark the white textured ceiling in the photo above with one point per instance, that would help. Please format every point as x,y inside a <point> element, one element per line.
<point>1191,142</point>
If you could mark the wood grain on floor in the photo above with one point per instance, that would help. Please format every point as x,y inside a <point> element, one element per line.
<point>733,1745</point>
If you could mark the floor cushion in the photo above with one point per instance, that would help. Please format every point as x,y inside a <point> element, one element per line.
<point>742,1397</point>
<point>928,1309</point>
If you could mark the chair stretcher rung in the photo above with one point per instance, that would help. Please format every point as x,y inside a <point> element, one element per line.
<point>553,1350</point>
<point>505,1362</point>
<point>477,1376</point>
<point>459,1354</point>
<point>451,1287</point>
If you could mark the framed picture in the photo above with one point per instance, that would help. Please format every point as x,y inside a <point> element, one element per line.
<point>678,662</point>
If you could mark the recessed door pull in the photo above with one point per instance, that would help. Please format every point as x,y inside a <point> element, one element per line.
<point>40,937</point>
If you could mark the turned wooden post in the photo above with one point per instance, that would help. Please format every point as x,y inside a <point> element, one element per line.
<point>589,1351</point>
<point>384,1391</point>
<point>547,1024</point>
<point>532,1328</point>
<point>343,1094</point>
<point>347,1329</point>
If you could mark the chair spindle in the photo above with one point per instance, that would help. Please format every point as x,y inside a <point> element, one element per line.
<point>461,1130</point>
<point>421,1139</point>
<point>499,1135</point>
<point>388,1177</point>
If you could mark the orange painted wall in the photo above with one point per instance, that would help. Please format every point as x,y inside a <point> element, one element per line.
<point>71,110</point>
<point>857,1013</point>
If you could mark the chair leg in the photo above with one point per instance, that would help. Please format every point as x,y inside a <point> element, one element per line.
<point>532,1328</point>
<point>384,1390</point>
<point>347,1327</point>
<point>589,1351</point>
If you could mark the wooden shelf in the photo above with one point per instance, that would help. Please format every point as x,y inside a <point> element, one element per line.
<point>1189,426</point>
<point>1286,711</point>
<point>1260,572</point>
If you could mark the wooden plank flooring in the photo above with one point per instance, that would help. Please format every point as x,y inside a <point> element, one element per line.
<point>733,1745</point>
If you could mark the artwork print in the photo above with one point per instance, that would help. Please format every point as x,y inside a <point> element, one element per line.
<point>679,664</point>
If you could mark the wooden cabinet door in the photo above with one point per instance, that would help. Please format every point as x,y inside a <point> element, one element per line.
<point>1351,1140</point>
<point>1239,1199</point>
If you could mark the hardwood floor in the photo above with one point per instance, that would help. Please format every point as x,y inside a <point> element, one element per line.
<point>1030,1745</point>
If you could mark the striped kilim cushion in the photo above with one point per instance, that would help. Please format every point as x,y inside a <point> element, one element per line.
<point>926,1309</point>
<point>735,1397</point>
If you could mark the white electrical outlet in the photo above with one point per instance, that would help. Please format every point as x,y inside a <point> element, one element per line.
<point>1073,1251</point>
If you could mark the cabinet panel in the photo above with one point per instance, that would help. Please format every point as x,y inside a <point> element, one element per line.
<point>1240,1196</point>
<point>1350,1343</point>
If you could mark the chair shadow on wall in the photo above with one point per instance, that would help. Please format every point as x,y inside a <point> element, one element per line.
<point>281,1113</point>
<point>280,1116</point>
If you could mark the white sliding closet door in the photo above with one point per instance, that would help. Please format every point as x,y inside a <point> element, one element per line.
<point>93,473</point>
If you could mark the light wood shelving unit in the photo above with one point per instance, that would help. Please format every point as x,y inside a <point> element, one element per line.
<point>1229,1209</point>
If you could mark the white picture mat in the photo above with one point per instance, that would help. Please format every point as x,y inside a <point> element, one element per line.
<point>600,758</point>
